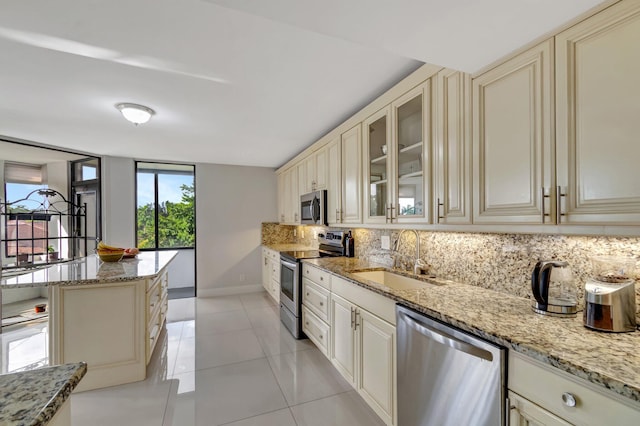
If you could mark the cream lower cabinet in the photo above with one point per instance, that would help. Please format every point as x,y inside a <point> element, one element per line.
<point>543,395</point>
<point>513,139</point>
<point>597,125</point>
<point>271,273</point>
<point>363,346</point>
<point>113,327</point>
<point>316,296</point>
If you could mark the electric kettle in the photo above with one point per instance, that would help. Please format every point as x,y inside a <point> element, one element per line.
<point>554,289</point>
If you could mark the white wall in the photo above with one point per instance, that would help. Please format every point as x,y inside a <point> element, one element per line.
<point>118,201</point>
<point>231,204</point>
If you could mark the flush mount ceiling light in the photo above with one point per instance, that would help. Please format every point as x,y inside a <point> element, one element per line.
<point>137,114</point>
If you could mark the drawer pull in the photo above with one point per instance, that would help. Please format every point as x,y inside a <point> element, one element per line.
<point>568,399</point>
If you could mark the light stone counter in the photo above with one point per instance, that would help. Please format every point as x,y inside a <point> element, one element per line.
<point>288,247</point>
<point>91,270</point>
<point>610,360</point>
<point>34,397</point>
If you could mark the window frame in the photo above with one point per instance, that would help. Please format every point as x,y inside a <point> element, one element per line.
<point>155,202</point>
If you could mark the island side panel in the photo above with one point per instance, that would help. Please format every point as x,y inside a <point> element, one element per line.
<point>102,325</point>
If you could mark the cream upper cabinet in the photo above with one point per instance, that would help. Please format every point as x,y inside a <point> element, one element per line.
<point>377,166</point>
<point>452,117</point>
<point>598,117</point>
<point>334,181</point>
<point>290,196</point>
<point>351,150</point>
<point>411,156</point>
<point>302,178</point>
<point>513,138</point>
<point>281,197</point>
<point>315,172</point>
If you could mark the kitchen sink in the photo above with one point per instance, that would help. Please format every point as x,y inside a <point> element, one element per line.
<point>392,280</point>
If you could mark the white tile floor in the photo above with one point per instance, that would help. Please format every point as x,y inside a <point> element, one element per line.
<point>228,360</point>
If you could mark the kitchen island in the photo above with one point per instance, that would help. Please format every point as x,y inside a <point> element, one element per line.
<point>39,397</point>
<point>108,315</point>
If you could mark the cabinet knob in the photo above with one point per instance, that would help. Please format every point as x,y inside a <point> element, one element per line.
<point>307,294</point>
<point>568,399</point>
<point>321,279</point>
<point>321,304</point>
<point>321,336</point>
<point>306,323</point>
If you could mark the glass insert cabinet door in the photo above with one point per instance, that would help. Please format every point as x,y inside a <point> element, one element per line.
<point>411,140</point>
<point>377,152</point>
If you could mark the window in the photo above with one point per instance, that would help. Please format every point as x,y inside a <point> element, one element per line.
<point>25,234</point>
<point>165,206</point>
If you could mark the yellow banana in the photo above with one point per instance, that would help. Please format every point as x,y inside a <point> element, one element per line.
<point>103,246</point>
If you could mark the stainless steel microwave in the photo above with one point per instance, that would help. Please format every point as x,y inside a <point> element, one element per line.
<point>313,208</point>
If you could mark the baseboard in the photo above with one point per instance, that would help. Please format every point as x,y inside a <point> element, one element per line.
<point>229,291</point>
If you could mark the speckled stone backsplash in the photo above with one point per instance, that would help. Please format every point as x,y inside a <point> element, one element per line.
<point>274,233</point>
<point>501,262</point>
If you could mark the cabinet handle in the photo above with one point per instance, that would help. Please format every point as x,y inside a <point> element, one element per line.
<point>438,211</point>
<point>355,323</point>
<point>321,278</point>
<point>392,208</point>
<point>321,303</point>
<point>337,216</point>
<point>569,400</point>
<point>306,323</point>
<point>386,216</point>
<point>321,336</point>
<point>307,294</point>
<point>542,204</point>
<point>559,213</point>
<point>295,217</point>
<point>352,316</point>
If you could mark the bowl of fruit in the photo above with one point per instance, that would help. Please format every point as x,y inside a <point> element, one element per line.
<point>108,253</point>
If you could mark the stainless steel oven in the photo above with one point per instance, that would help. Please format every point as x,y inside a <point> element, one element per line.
<point>331,244</point>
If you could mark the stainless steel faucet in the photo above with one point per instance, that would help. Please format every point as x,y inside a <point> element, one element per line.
<point>419,266</point>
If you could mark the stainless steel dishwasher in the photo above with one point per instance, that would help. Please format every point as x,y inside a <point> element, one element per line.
<point>447,376</point>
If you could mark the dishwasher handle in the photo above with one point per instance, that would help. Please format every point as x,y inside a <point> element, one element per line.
<point>446,339</point>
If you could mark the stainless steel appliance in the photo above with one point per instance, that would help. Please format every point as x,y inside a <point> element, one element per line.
<point>447,377</point>
<point>554,289</point>
<point>313,208</point>
<point>331,244</point>
<point>610,295</point>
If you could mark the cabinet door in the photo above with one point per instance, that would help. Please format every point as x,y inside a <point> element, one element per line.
<point>453,147</point>
<point>321,169</point>
<point>525,413</point>
<point>281,197</point>
<point>512,138</point>
<point>266,271</point>
<point>376,363</point>
<point>310,174</point>
<point>342,338</point>
<point>304,184</point>
<point>376,144</point>
<point>334,179</point>
<point>291,196</point>
<point>411,156</point>
<point>351,176</point>
<point>598,111</point>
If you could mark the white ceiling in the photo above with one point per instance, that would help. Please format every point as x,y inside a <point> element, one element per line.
<point>249,82</point>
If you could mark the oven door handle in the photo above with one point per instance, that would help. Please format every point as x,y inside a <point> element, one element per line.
<point>288,264</point>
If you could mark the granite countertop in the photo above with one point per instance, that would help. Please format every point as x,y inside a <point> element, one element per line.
<point>289,247</point>
<point>33,397</point>
<point>91,270</point>
<point>610,360</point>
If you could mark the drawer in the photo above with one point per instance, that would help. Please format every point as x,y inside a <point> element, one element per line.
<point>546,386</point>
<point>275,271</point>
<point>316,329</point>
<point>317,275</point>
<point>316,298</point>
